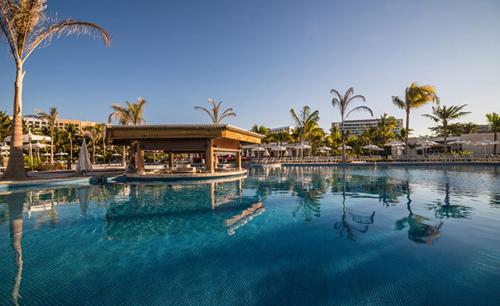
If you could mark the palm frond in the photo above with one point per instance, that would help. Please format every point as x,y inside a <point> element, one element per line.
<point>361,97</point>
<point>360,108</point>
<point>398,102</point>
<point>201,108</point>
<point>337,93</point>
<point>227,113</point>
<point>295,117</point>
<point>66,28</point>
<point>433,118</point>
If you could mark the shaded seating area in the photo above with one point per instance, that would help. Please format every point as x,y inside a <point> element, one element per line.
<point>206,143</point>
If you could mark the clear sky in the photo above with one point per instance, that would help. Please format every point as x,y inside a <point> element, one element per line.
<point>264,57</point>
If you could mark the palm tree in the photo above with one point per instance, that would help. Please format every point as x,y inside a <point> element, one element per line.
<point>51,118</point>
<point>494,121</point>
<point>343,102</point>
<point>415,96</point>
<point>5,125</point>
<point>25,26</point>
<point>385,129</point>
<point>442,115</point>
<point>94,134</point>
<point>215,112</point>
<point>71,132</point>
<point>129,114</point>
<point>306,122</point>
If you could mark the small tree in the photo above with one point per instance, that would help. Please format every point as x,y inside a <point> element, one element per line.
<point>415,96</point>
<point>343,102</point>
<point>494,121</point>
<point>442,115</point>
<point>215,112</point>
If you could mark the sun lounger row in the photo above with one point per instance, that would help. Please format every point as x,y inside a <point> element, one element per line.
<point>335,159</point>
<point>454,158</point>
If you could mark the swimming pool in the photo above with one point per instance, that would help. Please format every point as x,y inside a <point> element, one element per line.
<point>295,235</point>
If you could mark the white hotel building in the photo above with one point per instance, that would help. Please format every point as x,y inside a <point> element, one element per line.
<point>357,127</point>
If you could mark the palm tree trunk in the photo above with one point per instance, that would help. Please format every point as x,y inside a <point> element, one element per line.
<point>71,150</point>
<point>104,143</point>
<point>445,136</point>
<point>407,152</point>
<point>93,151</point>
<point>495,145</point>
<point>15,168</point>
<point>51,147</point>
<point>343,140</point>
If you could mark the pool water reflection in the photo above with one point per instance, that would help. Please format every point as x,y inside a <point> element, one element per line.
<point>296,235</point>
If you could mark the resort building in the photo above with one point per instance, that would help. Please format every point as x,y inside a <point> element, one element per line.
<point>34,122</point>
<point>287,129</point>
<point>357,127</point>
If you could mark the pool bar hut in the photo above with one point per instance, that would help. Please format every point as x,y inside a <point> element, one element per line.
<point>206,140</point>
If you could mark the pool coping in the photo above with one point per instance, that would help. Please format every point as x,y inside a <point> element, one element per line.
<point>179,176</point>
<point>355,164</point>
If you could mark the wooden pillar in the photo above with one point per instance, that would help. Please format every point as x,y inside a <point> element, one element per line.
<point>209,157</point>
<point>140,159</point>
<point>238,160</point>
<point>170,161</point>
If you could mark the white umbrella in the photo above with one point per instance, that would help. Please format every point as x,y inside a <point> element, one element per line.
<point>458,141</point>
<point>258,149</point>
<point>116,154</point>
<point>266,153</point>
<point>45,154</point>
<point>62,154</point>
<point>394,143</point>
<point>29,136</point>
<point>35,146</point>
<point>302,146</point>
<point>426,143</point>
<point>347,147</point>
<point>84,163</point>
<point>278,148</point>
<point>5,148</point>
<point>324,148</point>
<point>373,147</point>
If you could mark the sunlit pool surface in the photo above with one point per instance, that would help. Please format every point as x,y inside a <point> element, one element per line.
<point>296,235</point>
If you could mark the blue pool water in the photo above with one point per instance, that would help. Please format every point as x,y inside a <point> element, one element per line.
<point>290,236</point>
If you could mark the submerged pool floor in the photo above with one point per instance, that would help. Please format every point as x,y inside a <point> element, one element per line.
<point>283,236</point>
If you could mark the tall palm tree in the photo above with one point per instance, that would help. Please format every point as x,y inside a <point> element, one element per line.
<point>25,26</point>
<point>51,118</point>
<point>415,97</point>
<point>442,115</point>
<point>129,114</point>
<point>494,121</point>
<point>215,112</point>
<point>71,132</point>
<point>343,102</point>
<point>94,134</point>
<point>305,122</point>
